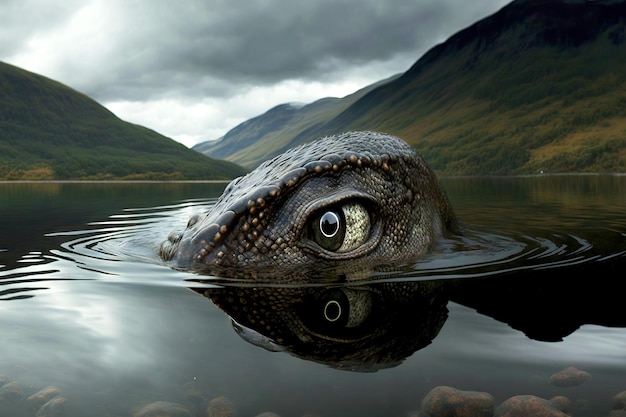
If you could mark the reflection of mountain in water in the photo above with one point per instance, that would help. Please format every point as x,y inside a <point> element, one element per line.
<point>371,326</point>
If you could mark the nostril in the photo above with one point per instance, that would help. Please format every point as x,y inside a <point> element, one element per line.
<point>192,220</point>
<point>167,250</point>
<point>175,237</point>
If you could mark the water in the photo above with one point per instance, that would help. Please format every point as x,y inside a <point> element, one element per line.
<point>533,287</point>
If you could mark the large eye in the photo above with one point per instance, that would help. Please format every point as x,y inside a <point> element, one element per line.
<point>341,228</point>
<point>337,309</point>
<point>328,229</point>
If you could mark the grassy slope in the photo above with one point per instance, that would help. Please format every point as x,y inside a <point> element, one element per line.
<point>278,129</point>
<point>537,86</point>
<point>49,131</point>
<point>514,100</point>
<point>245,137</point>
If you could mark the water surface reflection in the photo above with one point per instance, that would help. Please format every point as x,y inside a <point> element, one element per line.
<point>531,288</point>
<point>370,326</point>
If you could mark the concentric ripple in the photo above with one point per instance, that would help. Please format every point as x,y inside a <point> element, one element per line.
<point>123,248</point>
<point>120,248</point>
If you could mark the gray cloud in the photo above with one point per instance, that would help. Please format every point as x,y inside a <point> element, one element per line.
<point>199,48</point>
<point>270,43</point>
<point>204,65</point>
<point>265,42</point>
<point>21,20</point>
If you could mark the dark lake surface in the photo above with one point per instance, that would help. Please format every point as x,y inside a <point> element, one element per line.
<point>534,286</point>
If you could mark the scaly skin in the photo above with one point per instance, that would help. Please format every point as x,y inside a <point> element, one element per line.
<point>376,200</point>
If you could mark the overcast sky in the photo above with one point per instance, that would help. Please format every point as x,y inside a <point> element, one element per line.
<point>194,69</point>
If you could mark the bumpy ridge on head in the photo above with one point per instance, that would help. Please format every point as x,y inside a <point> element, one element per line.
<point>328,153</point>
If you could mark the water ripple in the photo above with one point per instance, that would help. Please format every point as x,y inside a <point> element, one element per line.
<point>107,250</point>
<point>127,242</point>
<point>135,235</point>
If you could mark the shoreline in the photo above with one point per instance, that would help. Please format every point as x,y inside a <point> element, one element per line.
<point>114,181</point>
<point>120,181</point>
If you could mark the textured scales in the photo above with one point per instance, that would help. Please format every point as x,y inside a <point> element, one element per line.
<point>264,218</point>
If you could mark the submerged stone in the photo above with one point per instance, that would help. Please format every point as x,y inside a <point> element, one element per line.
<point>528,405</point>
<point>11,392</point>
<point>562,403</point>
<point>569,377</point>
<point>162,409</point>
<point>619,401</point>
<point>43,396</point>
<point>444,401</point>
<point>53,408</point>
<point>221,407</point>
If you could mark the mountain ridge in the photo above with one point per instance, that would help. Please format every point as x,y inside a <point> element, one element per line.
<point>533,87</point>
<point>261,131</point>
<point>50,131</point>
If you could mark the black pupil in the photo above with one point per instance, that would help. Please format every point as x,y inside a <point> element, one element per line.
<point>332,311</point>
<point>329,224</point>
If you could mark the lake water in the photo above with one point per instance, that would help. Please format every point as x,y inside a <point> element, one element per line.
<point>533,287</point>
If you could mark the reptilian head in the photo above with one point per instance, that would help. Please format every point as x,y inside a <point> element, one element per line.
<point>357,199</point>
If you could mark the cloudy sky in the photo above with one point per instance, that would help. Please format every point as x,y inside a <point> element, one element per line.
<point>194,69</point>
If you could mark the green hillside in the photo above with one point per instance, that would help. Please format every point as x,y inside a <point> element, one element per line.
<point>278,129</point>
<point>538,86</point>
<point>49,131</point>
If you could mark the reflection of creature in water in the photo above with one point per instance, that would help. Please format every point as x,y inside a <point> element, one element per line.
<point>365,328</point>
<point>371,326</point>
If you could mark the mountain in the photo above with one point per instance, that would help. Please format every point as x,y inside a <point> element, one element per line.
<point>537,86</point>
<point>275,131</point>
<point>49,131</point>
